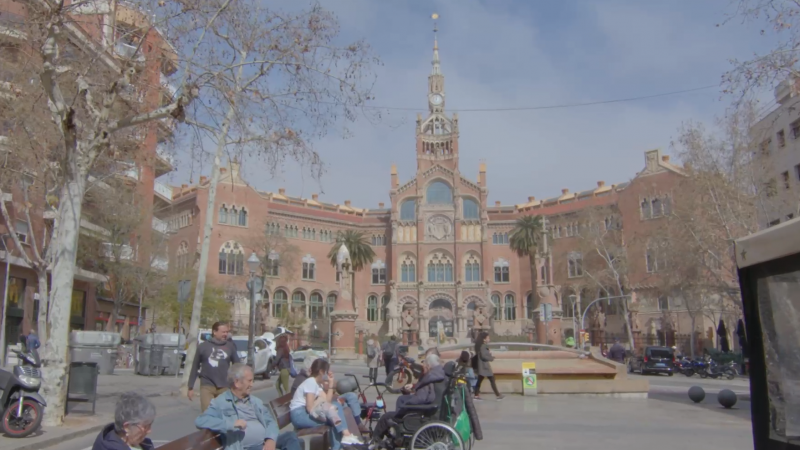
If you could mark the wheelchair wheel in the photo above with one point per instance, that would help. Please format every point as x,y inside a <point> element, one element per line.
<point>436,436</point>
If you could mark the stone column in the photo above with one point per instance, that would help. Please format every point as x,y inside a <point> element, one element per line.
<point>344,317</point>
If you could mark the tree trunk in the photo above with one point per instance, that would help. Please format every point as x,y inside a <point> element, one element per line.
<point>65,250</point>
<point>197,303</point>
<point>691,335</point>
<point>44,304</point>
<point>628,323</point>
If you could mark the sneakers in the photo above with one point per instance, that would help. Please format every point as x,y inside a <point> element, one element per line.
<point>351,440</point>
<point>500,397</point>
<point>478,398</point>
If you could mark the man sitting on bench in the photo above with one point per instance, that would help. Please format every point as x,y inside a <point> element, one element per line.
<point>244,420</point>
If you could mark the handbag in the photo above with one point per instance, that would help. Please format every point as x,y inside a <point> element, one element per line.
<point>292,368</point>
<point>462,425</point>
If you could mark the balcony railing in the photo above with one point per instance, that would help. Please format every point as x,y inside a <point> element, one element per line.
<point>128,169</point>
<point>160,225</point>
<point>169,87</point>
<point>160,263</point>
<point>128,51</point>
<point>162,190</point>
<point>164,154</point>
<point>124,250</point>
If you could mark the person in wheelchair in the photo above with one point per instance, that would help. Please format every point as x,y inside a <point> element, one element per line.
<point>422,393</point>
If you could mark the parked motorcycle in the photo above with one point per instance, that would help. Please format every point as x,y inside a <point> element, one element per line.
<point>689,367</point>
<point>715,370</point>
<point>21,406</point>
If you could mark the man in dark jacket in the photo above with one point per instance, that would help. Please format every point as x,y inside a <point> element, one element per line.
<point>422,393</point>
<point>617,352</point>
<point>388,353</point>
<point>133,416</point>
<point>212,359</point>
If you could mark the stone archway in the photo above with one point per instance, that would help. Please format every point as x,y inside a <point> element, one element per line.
<point>440,311</point>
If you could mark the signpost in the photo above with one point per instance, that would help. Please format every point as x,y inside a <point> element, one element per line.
<point>529,382</point>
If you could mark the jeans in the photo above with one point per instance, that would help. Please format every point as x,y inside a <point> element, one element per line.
<point>387,363</point>
<point>491,380</point>
<point>286,441</point>
<point>373,374</point>
<point>301,419</point>
<point>351,400</point>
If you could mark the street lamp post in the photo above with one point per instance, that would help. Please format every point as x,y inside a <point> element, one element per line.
<point>583,316</point>
<point>254,285</point>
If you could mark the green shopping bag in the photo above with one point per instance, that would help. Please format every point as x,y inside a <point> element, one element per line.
<point>462,425</point>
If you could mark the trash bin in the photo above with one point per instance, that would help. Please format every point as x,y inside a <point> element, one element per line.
<point>95,346</point>
<point>172,344</point>
<point>82,385</point>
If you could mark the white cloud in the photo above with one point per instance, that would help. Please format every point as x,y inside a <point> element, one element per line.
<point>525,54</point>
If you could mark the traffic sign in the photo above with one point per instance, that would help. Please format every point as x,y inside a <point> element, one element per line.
<point>529,382</point>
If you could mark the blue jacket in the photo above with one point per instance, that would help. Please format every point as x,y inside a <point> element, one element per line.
<point>222,413</point>
<point>424,392</point>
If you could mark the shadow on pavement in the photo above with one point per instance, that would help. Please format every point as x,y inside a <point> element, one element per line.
<point>740,410</point>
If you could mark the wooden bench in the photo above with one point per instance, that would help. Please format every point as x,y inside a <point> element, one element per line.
<point>280,409</point>
<point>199,440</point>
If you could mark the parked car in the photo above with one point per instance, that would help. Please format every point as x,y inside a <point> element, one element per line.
<point>305,350</point>
<point>653,360</point>
<point>263,354</point>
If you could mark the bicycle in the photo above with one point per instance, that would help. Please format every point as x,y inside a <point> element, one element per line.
<point>370,411</point>
<point>406,371</point>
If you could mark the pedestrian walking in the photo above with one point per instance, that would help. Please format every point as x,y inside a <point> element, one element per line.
<point>617,352</point>
<point>388,351</point>
<point>373,360</point>
<point>283,358</point>
<point>212,360</point>
<point>32,341</point>
<point>133,416</point>
<point>483,357</point>
<point>243,419</point>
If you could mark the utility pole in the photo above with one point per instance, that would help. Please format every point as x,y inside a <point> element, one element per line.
<point>184,286</point>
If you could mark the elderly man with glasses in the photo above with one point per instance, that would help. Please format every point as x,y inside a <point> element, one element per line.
<point>244,420</point>
<point>133,416</point>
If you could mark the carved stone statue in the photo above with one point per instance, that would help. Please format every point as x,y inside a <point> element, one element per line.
<point>479,320</point>
<point>601,319</point>
<point>409,321</point>
<point>439,228</point>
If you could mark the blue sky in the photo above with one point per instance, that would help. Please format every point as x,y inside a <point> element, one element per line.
<point>504,53</point>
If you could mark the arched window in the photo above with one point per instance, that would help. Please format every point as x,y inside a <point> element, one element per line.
<point>471,209</point>
<point>309,267</point>
<point>408,270</point>
<point>440,269</point>
<point>498,312</point>
<point>472,270</point>
<point>372,308</point>
<point>330,303</point>
<point>439,193</point>
<point>299,302</point>
<point>384,307</point>
<point>510,308</point>
<point>242,217</point>
<point>223,214</point>
<point>529,306</point>
<point>316,309</point>
<point>408,210</point>
<point>231,259</point>
<point>280,301</point>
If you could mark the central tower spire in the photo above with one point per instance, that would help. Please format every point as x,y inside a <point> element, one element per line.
<point>435,79</point>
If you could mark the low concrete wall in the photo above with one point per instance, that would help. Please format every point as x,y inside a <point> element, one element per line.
<point>564,372</point>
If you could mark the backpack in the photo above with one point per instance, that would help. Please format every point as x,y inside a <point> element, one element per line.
<point>370,352</point>
<point>388,350</point>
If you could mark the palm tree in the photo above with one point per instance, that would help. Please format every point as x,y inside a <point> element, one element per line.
<point>526,239</point>
<point>361,253</point>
